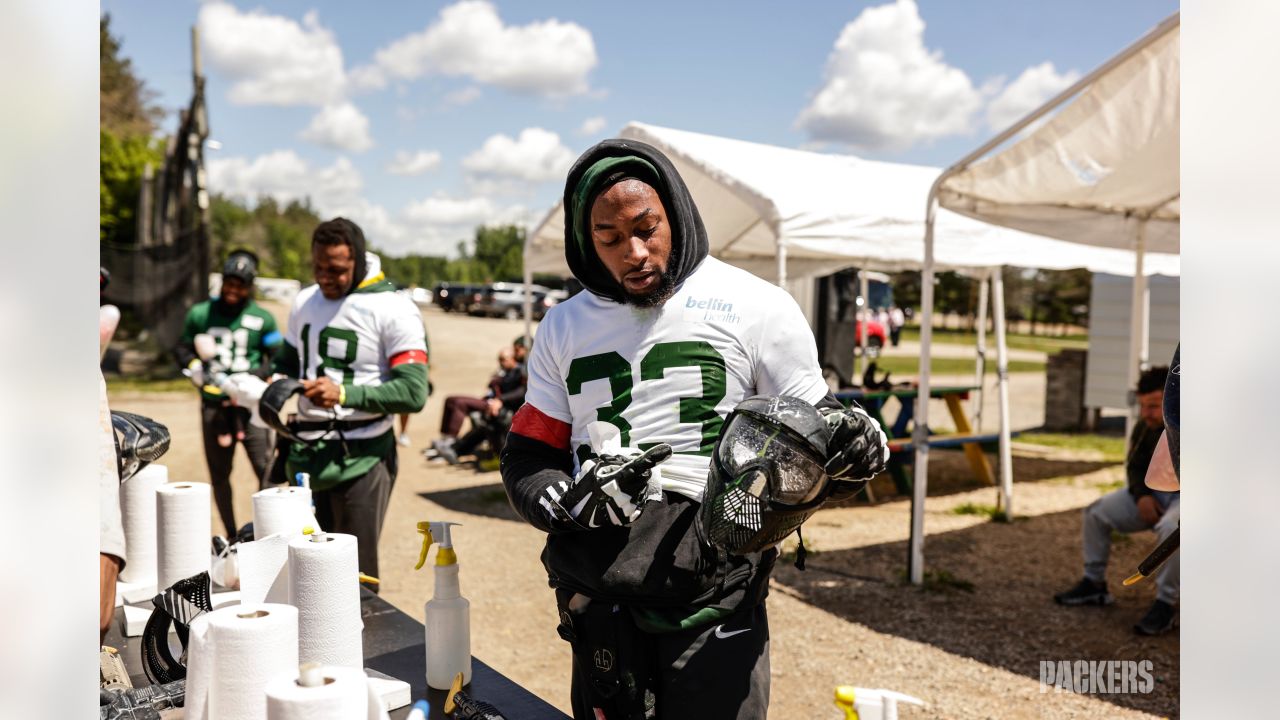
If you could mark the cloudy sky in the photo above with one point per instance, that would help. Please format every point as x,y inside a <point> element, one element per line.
<point>420,120</point>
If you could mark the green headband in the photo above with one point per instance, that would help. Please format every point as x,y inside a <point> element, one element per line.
<point>589,185</point>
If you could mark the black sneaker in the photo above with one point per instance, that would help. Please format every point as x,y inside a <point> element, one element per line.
<point>1157,621</point>
<point>1086,592</point>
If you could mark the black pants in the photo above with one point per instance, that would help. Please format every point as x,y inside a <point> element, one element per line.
<point>227,422</point>
<point>358,508</point>
<point>620,672</point>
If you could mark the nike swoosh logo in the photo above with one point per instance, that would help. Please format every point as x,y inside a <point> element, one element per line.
<point>720,633</point>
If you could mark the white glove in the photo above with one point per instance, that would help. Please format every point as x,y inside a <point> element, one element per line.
<point>195,373</point>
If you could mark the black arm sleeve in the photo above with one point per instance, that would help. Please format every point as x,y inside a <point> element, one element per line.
<point>529,467</point>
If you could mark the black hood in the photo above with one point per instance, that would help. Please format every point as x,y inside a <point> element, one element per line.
<point>689,244</point>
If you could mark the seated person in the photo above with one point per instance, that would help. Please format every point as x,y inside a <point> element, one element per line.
<point>1130,509</point>
<point>506,395</point>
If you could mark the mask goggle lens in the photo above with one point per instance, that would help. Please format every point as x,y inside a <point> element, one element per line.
<point>797,477</point>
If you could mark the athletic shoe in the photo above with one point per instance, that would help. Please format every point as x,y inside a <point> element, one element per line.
<point>446,451</point>
<point>403,440</point>
<point>1086,592</point>
<point>1157,621</point>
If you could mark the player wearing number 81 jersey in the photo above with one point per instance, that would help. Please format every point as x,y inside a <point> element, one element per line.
<point>666,343</point>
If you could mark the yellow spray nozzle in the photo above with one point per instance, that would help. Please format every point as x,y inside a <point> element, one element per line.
<point>424,527</point>
<point>437,532</point>
<point>844,701</point>
<point>369,579</point>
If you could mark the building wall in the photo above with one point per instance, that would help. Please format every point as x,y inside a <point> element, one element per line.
<point>1107,381</point>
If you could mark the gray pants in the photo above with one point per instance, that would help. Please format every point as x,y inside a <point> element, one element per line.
<point>1117,510</point>
<point>257,442</point>
<point>358,508</point>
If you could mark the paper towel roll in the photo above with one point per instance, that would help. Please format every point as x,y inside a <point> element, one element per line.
<point>340,693</point>
<point>264,570</point>
<point>138,511</point>
<point>232,653</point>
<point>281,510</point>
<point>184,528</point>
<point>324,584</point>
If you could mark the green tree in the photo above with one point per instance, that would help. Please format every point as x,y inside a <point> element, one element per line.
<point>500,250</point>
<point>121,162</point>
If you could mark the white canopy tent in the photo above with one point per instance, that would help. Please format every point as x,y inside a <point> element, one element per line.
<point>789,216</point>
<point>1102,171</point>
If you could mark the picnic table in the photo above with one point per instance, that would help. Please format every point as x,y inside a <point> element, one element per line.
<point>901,444</point>
<point>393,645</point>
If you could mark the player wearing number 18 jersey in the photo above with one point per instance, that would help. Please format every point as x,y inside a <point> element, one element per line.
<point>245,336</point>
<point>664,346</point>
<point>360,350</point>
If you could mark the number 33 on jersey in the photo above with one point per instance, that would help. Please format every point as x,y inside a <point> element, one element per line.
<point>672,373</point>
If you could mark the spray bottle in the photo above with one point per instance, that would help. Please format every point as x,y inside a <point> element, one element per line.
<point>448,626</point>
<point>871,704</point>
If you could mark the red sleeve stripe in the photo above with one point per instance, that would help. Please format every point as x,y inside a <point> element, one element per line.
<point>537,425</point>
<point>409,356</point>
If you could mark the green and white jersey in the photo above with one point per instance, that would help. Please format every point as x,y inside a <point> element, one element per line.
<point>672,373</point>
<point>351,341</point>
<point>242,335</point>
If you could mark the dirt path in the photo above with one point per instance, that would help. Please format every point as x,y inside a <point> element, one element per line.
<point>970,644</point>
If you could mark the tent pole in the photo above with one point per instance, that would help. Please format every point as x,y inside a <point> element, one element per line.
<point>920,433</point>
<point>1002,379</point>
<point>782,263</point>
<point>1138,325</point>
<point>980,369</point>
<point>860,360</point>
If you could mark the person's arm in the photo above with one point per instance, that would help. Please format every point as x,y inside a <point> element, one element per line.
<point>1160,473</point>
<point>405,392</point>
<point>272,341</point>
<point>534,459</point>
<point>286,361</point>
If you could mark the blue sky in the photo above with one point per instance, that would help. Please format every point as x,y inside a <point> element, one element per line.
<point>421,120</point>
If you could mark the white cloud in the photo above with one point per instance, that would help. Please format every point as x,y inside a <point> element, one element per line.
<point>416,163</point>
<point>445,210</point>
<point>272,59</point>
<point>1033,87</point>
<point>284,175</point>
<point>548,58</point>
<point>592,125</point>
<point>341,127</point>
<point>884,90</point>
<point>537,155</point>
<point>465,96</point>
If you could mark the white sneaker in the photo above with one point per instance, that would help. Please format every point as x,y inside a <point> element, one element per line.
<point>403,440</point>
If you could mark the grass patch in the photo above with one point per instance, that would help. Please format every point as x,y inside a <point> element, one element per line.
<point>949,366</point>
<point>143,384</point>
<point>940,581</point>
<point>788,556</point>
<point>494,497</point>
<point>989,511</point>
<point>1112,486</point>
<point>1111,447</point>
<point>1120,538</point>
<point>1040,343</point>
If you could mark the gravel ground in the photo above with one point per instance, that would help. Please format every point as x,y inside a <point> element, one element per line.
<point>969,642</point>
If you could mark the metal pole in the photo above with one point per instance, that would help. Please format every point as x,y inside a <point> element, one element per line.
<point>860,360</point>
<point>920,434</point>
<point>1002,379</point>
<point>980,369</point>
<point>528,295</point>
<point>1138,326</point>
<point>782,263</point>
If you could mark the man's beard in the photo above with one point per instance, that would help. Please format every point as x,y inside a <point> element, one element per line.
<point>666,288</point>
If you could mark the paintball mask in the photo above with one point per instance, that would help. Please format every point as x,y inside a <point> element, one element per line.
<point>766,475</point>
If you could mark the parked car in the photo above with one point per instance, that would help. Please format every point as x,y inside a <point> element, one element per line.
<point>877,336</point>
<point>459,297</point>
<point>507,300</point>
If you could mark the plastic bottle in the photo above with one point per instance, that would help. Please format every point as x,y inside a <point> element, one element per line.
<point>448,626</point>
<point>872,704</point>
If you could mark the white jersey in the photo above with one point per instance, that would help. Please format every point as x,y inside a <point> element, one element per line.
<point>672,373</point>
<point>351,341</point>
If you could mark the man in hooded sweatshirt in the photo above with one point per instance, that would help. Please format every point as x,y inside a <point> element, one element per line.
<point>360,351</point>
<point>663,346</point>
